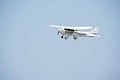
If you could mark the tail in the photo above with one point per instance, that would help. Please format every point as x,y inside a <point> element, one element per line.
<point>95,30</point>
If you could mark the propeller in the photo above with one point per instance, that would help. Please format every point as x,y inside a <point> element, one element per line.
<point>58,32</point>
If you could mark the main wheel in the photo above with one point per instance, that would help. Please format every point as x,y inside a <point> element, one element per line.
<point>65,38</point>
<point>75,38</point>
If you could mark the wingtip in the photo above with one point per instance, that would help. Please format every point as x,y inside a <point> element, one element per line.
<point>52,25</point>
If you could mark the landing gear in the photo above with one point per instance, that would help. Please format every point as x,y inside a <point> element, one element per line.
<point>75,37</point>
<point>61,36</point>
<point>65,38</point>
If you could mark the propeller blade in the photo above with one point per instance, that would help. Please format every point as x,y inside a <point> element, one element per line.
<point>58,32</point>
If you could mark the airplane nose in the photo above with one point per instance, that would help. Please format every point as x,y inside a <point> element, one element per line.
<point>59,31</point>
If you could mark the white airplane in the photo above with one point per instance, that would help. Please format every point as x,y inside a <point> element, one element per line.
<point>76,32</point>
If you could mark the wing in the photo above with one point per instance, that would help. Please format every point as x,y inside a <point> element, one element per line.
<point>72,28</point>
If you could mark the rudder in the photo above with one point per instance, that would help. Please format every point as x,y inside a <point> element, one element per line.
<point>95,30</point>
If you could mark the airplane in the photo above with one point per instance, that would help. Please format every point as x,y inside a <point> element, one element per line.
<point>76,31</point>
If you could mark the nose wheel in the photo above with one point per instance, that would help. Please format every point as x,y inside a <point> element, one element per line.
<point>61,36</point>
<point>75,38</point>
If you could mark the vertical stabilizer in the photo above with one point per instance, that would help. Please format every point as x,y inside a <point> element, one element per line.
<point>95,30</point>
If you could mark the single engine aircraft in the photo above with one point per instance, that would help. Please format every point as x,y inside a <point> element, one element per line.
<point>76,31</point>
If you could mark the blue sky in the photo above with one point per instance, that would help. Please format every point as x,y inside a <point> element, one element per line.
<point>31,50</point>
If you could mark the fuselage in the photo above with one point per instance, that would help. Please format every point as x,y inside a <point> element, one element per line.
<point>75,34</point>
